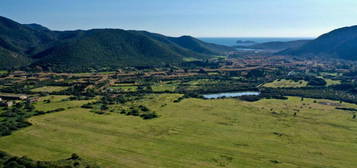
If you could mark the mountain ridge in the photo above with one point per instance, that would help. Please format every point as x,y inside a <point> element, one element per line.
<point>338,44</point>
<point>34,45</point>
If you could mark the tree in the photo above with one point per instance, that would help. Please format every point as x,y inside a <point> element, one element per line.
<point>29,107</point>
<point>149,89</point>
<point>104,107</point>
<point>313,81</point>
<point>74,156</point>
<point>134,112</point>
<point>143,108</point>
<point>149,116</point>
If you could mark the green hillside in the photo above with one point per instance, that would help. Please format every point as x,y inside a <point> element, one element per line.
<point>340,43</point>
<point>113,48</point>
<point>199,46</point>
<point>9,59</point>
<point>83,50</point>
<point>21,38</point>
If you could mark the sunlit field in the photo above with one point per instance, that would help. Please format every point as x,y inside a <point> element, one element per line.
<point>196,133</point>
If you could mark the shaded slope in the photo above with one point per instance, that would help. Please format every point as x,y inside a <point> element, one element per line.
<point>277,45</point>
<point>340,43</point>
<point>18,42</point>
<point>23,44</point>
<point>10,59</point>
<point>23,39</point>
<point>110,47</point>
<point>200,46</point>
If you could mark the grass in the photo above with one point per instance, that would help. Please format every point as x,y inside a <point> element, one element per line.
<point>58,102</point>
<point>196,84</point>
<point>190,59</point>
<point>164,87</point>
<point>330,74</point>
<point>49,89</point>
<point>331,82</point>
<point>126,88</point>
<point>197,133</point>
<point>286,84</point>
<point>201,82</point>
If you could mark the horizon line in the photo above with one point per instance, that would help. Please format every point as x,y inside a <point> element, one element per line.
<point>253,37</point>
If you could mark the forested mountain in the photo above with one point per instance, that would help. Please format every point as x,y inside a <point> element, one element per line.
<point>112,47</point>
<point>9,59</point>
<point>37,46</point>
<point>340,43</point>
<point>277,45</point>
<point>35,26</point>
<point>21,38</point>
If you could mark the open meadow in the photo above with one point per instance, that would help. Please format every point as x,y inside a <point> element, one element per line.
<point>178,84</point>
<point>49,89</point>
<point>269,133</point>
<point>283,83</point>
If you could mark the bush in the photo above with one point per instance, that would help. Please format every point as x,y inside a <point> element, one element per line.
<point>104,107</point>
<point>149,116</point>
<point>133,112</point>
<point>99,112</point>
<point>317,82</point>
<point>178,100</point>
<point>250,98</point>
<point>47,101</point>
<point>74,157</point>
<point>143,108</point>
<point>87,106</point>
<point>56,110</point>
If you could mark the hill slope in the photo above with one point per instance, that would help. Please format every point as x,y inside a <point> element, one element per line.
<point>10,59</point>
<point>199,46</point>
<point>277,45</point>
<point>81,50</point>
<point>340,43</point>
<point>113,48</point>
<point>19,42</point>
<point>21,38</point>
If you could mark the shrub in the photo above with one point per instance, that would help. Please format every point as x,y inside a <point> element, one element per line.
<point>143,108</point>
<point>149,116</point>
<point>104,107</point>
<point>250,98</point>
<point>87,106</point>
<point>134,112</point>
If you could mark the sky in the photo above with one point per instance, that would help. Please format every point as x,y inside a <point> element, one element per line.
<point>199,18</point>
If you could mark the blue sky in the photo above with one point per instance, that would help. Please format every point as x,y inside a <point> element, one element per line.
<point>200,18</point>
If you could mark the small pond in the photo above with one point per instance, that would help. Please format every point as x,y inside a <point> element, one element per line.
<point>232,94</point>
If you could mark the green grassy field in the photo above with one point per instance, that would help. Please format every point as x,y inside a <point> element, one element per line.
<point>190,59</point>
<point>49,89</point>
<point>197,133</point>
<point>126,88</point>
<point>58,102</point>
<point>201,82</point>
<point>286,84</point>
<point>164,87</point>
<point>331,82</point>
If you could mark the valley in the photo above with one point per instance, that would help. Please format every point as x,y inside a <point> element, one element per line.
<point>160,117</point>
<point>198,133</point>
<point>114,98</point>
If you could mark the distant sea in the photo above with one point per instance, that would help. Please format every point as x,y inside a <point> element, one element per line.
<point>231,41</point>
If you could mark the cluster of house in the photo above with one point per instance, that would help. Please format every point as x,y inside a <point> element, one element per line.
<point>9,100</point>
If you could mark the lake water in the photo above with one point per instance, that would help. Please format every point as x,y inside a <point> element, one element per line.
<point>232,94</point>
